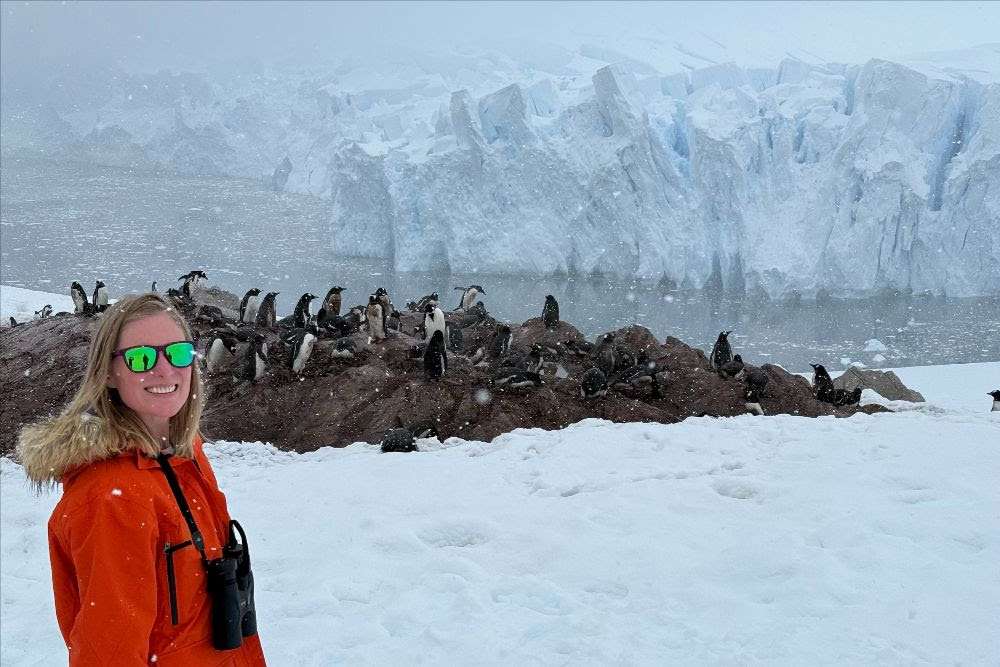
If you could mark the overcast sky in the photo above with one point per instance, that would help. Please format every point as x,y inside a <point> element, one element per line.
<point>42,36</point>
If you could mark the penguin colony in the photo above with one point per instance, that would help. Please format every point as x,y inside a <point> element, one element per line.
<point>613,366</point>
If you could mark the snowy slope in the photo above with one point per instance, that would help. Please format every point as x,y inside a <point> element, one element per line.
<point>794,177</point>
<point>778,540</point>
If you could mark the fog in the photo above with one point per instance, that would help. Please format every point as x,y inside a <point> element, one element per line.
<point>41,38</point>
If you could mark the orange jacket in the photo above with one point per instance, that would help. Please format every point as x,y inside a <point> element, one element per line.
<point>110,539</point>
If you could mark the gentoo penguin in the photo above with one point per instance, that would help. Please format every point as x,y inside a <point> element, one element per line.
<point>375,319</point>
<point>80,304</point>
<point>399,440</point>
<point>996,400</point>
<point>593,384</point>
<point>194,277</point>
<point>386,303</point>
<point>219,343</point>
<point>756,379</point>
<point>46,311</point>
<point>533,360</point>
<point>426,299</point>
<point>331,302</point>
<point>550,312</point>
<point>474,316</point>
<point>344,348</point>
<point>153,287</point>
<point>842,397</point>
<point>733,369</point>
<point>823,387</point>
<point>511,376</point>
<point>435,357</point>
<point>100,297</point>
<point>303,311</point>
<point>394,321</point>
<point>302,348</point>
<point>722,353</point>
<point>211,314</point>
<point>625,356</point>
<point>254,361</point>
<point>423,429</point>
<point>469,295</point>
<point>249,305</point>
<point>501,341</point>
<point>579,348</point>
<point>433,320</point>
<point>13,322</point>
<point>605,355</point>
<point>266,312</point>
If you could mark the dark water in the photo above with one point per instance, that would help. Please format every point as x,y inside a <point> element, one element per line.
<point>60,223</point>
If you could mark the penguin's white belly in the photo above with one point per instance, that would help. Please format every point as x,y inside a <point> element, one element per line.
<point>251,312</point>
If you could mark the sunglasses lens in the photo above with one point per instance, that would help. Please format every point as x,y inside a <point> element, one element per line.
<point>139,359</point>
<point>180,355</point>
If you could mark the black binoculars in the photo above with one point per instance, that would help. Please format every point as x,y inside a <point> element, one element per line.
<point>230,585</point>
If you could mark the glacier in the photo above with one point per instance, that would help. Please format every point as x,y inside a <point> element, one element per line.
<point>799,179</point>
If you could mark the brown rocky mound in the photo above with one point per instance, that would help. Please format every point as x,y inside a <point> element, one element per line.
<point>336,401</point>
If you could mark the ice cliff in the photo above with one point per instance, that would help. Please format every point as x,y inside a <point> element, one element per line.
<point>801,178</point>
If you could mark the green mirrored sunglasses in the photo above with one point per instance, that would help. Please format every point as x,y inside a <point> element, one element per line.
<point>142,358</point>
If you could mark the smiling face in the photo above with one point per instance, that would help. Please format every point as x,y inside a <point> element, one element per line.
<point>158,394</point>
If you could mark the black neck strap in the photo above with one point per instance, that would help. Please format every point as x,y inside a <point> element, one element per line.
<point>196,538</point>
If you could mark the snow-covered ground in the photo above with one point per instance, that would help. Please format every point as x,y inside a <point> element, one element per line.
<point>775,540</point>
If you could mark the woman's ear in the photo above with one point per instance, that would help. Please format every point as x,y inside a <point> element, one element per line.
<point>112,381</point>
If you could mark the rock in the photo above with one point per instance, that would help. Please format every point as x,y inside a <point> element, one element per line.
<point>336,401</point>
<point>885,383</point>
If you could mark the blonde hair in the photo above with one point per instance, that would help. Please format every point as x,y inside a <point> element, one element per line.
<point>108,424</point>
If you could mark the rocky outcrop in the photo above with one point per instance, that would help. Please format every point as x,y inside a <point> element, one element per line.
<point>885,383</point>
<point>336,401</point>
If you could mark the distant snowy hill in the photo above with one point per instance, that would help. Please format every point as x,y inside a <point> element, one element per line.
<point>795,178</point>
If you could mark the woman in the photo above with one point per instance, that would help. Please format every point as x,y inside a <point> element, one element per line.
<point>129,583</point>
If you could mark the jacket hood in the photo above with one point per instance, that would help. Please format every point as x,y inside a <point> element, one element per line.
<point>57,446</point>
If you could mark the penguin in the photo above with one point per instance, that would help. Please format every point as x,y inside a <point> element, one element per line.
<point>424,429</point>
<point>605,355</point>
<point>642,374</point>
<point>550,312</point>
<point>386,303</point>
<point>218,345</point>
<point>433,320</point>
<point>211,314</point>
<point>579,348</point>
<point>266,312</point>
<point>435,357</point>
<point>823,387</point>
<point>398,440</point>
<point>842,397</point>
<point>755,379</point>
<point>344,348</point>
<point>511,376</point>
<point>249,305</point>
<point>194,277</point>
<point>331,303</point>
<point>13,322</point>
<point>100,297</point>
<point>474,316</point>
<point>625,356</point>
<point>302,315</point>
<point>394,322</point>
<point>302,348</point>
<point>722,353</point>
<point>593,384</point>
<point>996,400</point>
<point>426,299</point>
<point>46,311</point>
<point>153,287</point>
<point>80,304</point>
<point>455,338</point>
<point>186,287</point>
<point>501,341</point>
<point>254,362</point>
<point>469,295</point>
<point>533,360</point>
<point>733,369</point>
<point>375,319</point>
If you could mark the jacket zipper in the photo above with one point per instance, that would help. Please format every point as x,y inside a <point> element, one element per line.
<point>168,551</point>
